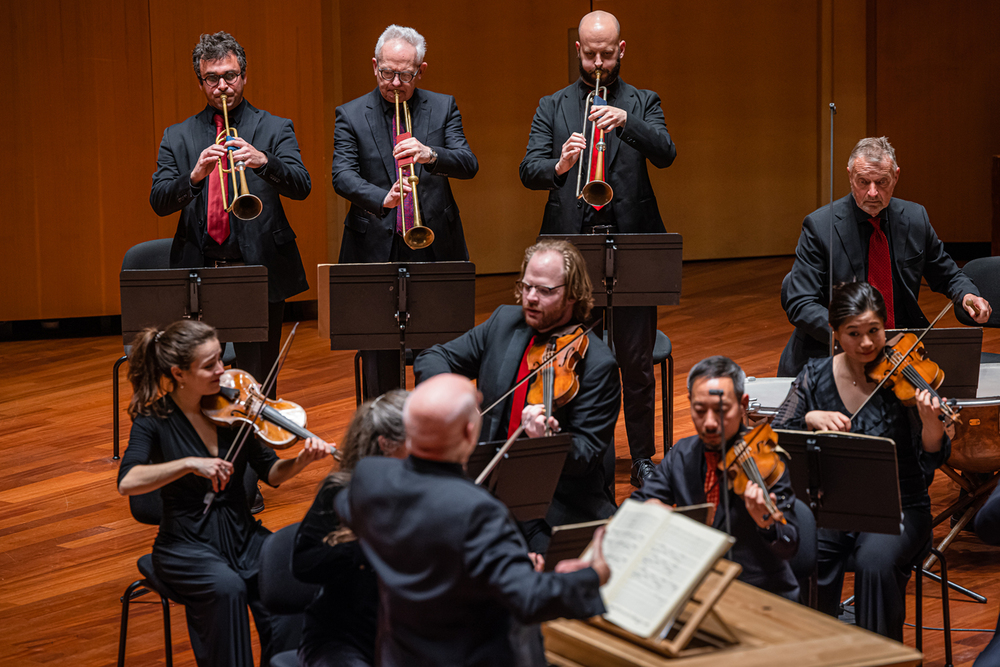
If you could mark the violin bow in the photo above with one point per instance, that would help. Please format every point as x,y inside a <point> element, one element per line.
<point>903,357</point>
<point>245,426</point>
<point>538,370</point>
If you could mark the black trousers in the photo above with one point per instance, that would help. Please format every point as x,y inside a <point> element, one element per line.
<point>635,335</point>
<point>216,599</point>
<point>881,565</point>
<point>258,358</point>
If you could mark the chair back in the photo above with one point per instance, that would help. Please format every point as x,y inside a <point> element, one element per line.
<point>148,255</point>
<point>280,591</point>
<point>985,272</point>
<point>147,508</point>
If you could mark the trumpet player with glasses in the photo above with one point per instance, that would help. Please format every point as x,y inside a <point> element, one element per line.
<point>623,130</point>
<point>396,150</point>
<point>225,169</point>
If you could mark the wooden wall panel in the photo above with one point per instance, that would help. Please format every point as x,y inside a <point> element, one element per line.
<point>78,104</point>
<point>937,73</point>
<point>284,46</point>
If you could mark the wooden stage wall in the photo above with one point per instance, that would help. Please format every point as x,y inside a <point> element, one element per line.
<point>745,87</point>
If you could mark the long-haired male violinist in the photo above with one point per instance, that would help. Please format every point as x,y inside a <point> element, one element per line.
<point>635,134</point>
<point>365,158</point>
<point>187,180</point>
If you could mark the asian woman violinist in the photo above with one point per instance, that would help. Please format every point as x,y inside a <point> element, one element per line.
<point>341,622</point>
<point>209,559</point>
<point>823,397</point>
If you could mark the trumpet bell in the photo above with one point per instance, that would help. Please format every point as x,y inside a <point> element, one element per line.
<point>247,206</point>
<point>418,237</point>
<point>597,193</point>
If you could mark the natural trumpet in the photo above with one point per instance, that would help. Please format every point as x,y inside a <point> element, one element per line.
<point>418,236</point>
<point>596,192</point>
<point>244,206</point>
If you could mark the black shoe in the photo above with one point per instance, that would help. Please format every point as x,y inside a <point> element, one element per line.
<point>258,503</point>
<point>641,469</point>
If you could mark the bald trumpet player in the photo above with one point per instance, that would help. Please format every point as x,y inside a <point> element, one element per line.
<point>372,170</point>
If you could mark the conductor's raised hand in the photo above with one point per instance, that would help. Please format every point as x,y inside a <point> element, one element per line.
<point>215,470</point>
<point>570,153</point>
<point>596,559</point>
<point>392,198</point>
<point>534,422</point>
<point>828,420</point>
<point>207,161</point>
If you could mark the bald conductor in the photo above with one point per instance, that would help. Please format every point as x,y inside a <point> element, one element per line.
<point>453,566</point>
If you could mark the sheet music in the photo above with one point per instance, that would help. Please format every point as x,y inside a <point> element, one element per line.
<point>672,563</point>
<point>626,536</point>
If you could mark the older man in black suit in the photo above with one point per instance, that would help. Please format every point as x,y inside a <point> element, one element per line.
<point>636,133</point>
<point>187,180</point>
<point>555,294</point>
<point>886,242</point>
<point>688,475</point>
<point>365,158</point>
<point>453,568</point>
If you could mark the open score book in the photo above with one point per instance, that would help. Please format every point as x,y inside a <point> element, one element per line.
<point>657,558</point>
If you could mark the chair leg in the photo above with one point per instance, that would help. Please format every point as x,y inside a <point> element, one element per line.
<point>123,633</point>
<point>114,399</point>
<point>663,405</point>
<point>919,615</point>
<point>670,402</point>
<point>946,607</point>
<point>357,378</point>
<point>168,644</point>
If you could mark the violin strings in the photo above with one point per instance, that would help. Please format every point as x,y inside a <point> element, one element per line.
<point>918,381</point>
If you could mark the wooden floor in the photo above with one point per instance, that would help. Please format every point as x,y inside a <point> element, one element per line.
<point>68,545</point>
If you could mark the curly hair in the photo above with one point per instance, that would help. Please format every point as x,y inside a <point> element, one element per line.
<point>578,285</point>
<point>216,47</point>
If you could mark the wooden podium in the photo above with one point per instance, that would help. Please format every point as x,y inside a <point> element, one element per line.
<point>767,631</point>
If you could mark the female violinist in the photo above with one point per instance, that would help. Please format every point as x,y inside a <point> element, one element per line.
<point>341,622</point>
<point>209,559</point>
<point>823,397</point>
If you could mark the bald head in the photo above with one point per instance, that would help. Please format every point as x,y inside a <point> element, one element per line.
<point>600,25</point>
<point>442,419</point>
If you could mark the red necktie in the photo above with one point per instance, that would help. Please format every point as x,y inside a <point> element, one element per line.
<point>218,218</point>
<point>520,394</point>
<point>880,269</point>
<point>712,476</point>
<point>406,206</point>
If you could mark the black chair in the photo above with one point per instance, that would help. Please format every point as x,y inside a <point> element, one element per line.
<point>147,255</point>
<point>280,591</point>
<point>985,272</point>
<point>147,509</point>
<point>663,354</point>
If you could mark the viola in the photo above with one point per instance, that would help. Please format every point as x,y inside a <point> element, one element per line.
<point>279,423</point>
<point>754,458</point>
<point>905,367</point>
<point>558,383</point>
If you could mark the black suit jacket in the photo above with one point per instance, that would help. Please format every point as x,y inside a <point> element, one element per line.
<point>268,239</point>
<point>988,530</point>
<point>917,253</point>
<point>364,172</point>
<point>491,354</point>
<point>452,565</point>
<point>680,479</point>
<point>644,137</point>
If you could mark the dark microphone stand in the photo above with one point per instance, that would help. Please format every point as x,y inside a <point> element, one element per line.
<point>724,482</point>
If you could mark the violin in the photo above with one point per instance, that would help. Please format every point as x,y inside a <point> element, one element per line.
<point>558,383</point>
<point>279,423</point>
<point>905,367</point>
<point>754,458</point>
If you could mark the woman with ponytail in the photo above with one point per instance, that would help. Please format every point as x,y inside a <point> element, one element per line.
<point>209,559</point>
<point>340,624</point>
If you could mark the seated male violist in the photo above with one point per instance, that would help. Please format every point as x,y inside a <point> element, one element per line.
<point>554,291</point>
<point>689,475</point>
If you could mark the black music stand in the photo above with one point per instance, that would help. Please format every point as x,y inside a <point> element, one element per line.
<point>526,478</point>
<point>957,351</point>
<point>633,269</point>
<point>233,299</point>
<point>395,304</point>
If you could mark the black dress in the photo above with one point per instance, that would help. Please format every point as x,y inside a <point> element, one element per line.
<point>341,623</point>
<point>210,560</point>
<point>881,563</point>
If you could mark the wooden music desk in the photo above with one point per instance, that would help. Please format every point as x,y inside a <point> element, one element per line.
<point>771,630</point>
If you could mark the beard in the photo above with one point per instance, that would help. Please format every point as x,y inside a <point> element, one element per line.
<point>607,78</point>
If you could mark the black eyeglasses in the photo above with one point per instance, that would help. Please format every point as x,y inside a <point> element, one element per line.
<point>542,291</point>
<point>389,75</point>
<point>213,79</point>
